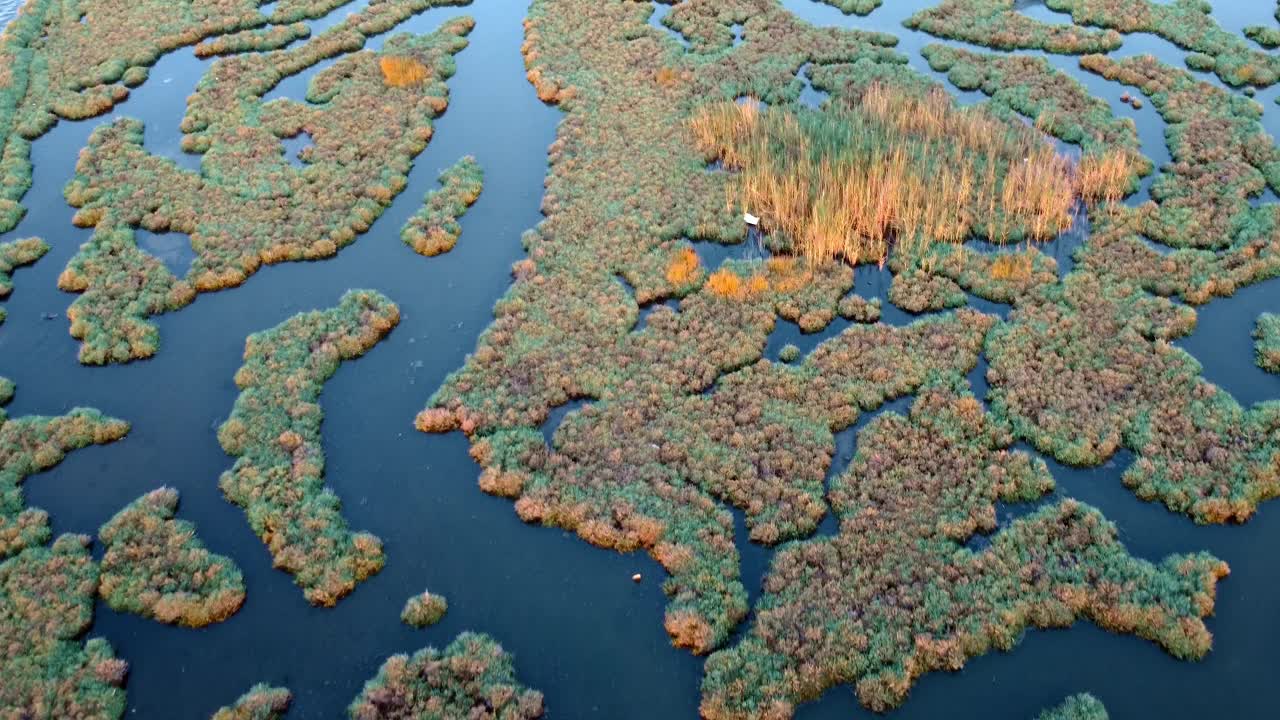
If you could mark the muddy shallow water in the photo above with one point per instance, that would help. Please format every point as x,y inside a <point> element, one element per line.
<point>581,631</point>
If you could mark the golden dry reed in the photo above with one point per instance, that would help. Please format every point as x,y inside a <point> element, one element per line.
<point>904,168</point>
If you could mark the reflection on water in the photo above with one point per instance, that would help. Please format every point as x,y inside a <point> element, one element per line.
<point>581,631</point>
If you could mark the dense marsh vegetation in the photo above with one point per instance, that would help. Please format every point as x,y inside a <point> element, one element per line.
<point>633,388</point>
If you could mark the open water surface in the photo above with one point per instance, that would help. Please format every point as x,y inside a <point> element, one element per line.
<point>581,631</point>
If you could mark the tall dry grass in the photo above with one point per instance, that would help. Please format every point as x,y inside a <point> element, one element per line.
<point>898,168</point>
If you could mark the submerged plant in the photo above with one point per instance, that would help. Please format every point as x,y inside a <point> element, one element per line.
<point>261,702</point>
<point>274,432</point>
<point>472,678</point>
<point>434,229</point>
<point>155,566</point>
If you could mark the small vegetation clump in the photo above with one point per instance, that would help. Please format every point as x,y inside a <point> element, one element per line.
<point>248,205</point>
<point>434,229</point>
<point>75,60</point>
<point>155,566</point>
<point>46,606</point>
<point>15,254</point>
<point>895,594</point>
<point>262,702</point>
<point>34,443</point>
<point>1267,335</point>
<point>472,678</point>
<point>424,609</point>
<point>901,167</point>
<point>274,431</point>
<point>1081,706</point>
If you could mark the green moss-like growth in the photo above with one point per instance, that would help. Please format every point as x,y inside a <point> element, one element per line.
<point>74,60</point>
<point>262,702</point>
<point>896,594</point>
<point>1267,37</point>
<point>1081,706</point>
<point>424,609</point>
<point>472,678</point>
<point>15,254</point>
<point>368,115</point>
<point>274,431</point>
<point>789,353</point>
<point>434,229</point>
<point>855,7</point>
<point>155,566</point>
<point>997,24</point>
<point>34,443</point>
<point>46,605</point>
<point>1267,336</point>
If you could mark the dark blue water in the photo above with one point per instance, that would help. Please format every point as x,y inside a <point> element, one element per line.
<point>580,629</point>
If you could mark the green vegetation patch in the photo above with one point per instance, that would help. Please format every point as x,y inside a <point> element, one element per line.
<point>46,606</point>
<point>261,702</point>
<point>434,229</point>
<point>34,443</point>
<point>274,431</point>
<point>997,24</point>
<point>896,594</point>
<point>71,59</point>
<point>155,566</point>
<point>368,115</point>
<point>472,678</point>
<point>424,609</point>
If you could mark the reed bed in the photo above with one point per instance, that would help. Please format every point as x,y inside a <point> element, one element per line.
<point>898,169</point>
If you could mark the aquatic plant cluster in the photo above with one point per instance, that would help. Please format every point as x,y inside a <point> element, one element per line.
<point>75,60</point>
<point>47,592</point>
<point>155,566</point>
<point>1267,335</point>
<point>424,609</point>
<point>274,432</point>
<point>434,229</point>
<point>1081,706</point>
<point>473,678</point>
<point>683,416</point>
<point>261,702</point>
<point>248,205</point>
<point>1186,23</point>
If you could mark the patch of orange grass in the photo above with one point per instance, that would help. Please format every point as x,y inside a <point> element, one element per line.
<point>1105,177</point>
<point>402,71</point>
<point>1012,266</point>
<point>900,167</point>
<point>725,283</point>
<point>684,267</point>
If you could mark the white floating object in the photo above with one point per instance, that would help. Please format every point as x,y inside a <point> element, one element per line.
<point>750,219</point>
<point>636,578</point>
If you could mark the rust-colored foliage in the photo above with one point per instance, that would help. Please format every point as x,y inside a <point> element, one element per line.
<point>434,229</point>
<point>274,431</point>
<point>424,609</point>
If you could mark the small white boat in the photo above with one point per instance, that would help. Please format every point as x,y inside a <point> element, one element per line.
<point>750,219</point>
